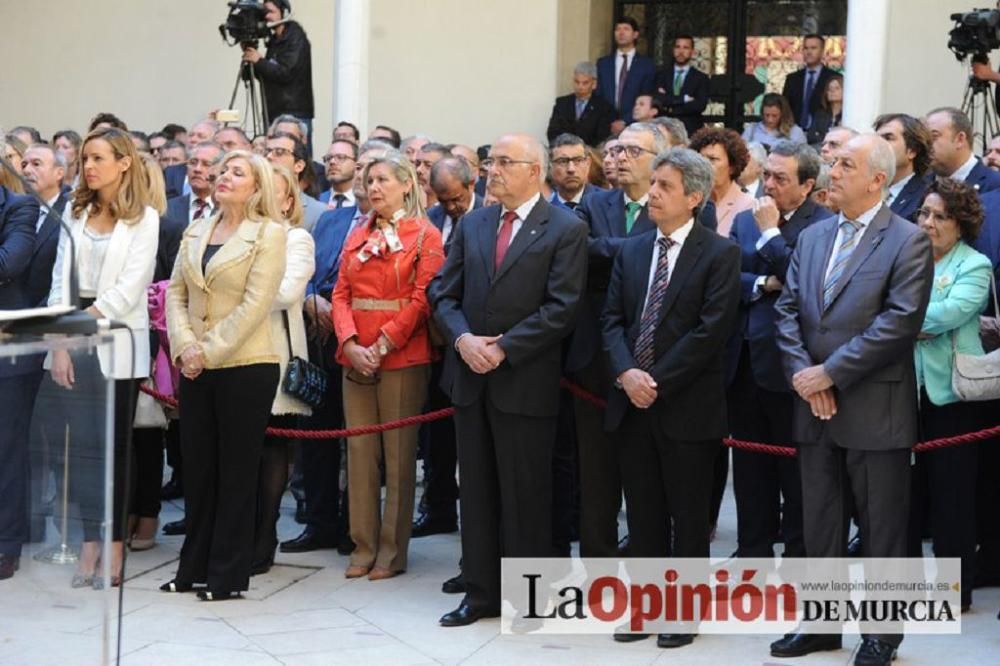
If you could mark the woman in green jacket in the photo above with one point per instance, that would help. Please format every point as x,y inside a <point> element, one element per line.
<point>944,480</point>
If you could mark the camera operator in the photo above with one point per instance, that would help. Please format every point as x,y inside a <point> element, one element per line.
<point>982,70</point>
<point>286,71</point>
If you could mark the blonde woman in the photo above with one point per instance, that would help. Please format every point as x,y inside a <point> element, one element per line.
<point>776,123</point>
<point>225,280</point>
<point>115,234</point>
<point>289,336</point>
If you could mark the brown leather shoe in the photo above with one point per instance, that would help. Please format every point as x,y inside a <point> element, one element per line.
<point>381,573</point>
<point>356,571</point>
<point>8,565</point>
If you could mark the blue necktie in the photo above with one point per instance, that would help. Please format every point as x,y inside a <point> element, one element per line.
<point>807,97</point>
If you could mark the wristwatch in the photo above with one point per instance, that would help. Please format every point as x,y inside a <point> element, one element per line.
<point>382,349</point>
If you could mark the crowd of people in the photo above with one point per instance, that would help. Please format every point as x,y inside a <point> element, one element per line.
<point>800,283</point>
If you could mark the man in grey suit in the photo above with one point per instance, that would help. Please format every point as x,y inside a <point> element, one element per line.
<point>855,296</point>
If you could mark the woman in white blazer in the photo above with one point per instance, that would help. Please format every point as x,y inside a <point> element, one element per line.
<point>116,236</point>
<point>300,264</point>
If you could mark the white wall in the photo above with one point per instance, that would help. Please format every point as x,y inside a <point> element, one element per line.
<point>462,71</point>
<point>148,61</point>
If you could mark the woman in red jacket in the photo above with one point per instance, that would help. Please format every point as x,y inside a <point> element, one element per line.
<point>380,314</point>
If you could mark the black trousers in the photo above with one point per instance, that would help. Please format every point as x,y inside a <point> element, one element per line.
<point>148,449</point>
<point>760,480</point>
<point>172,443</point>
<point>600,474</point>
<point>944,488</point>
<point>320,459</point>
<point>878,481</point>
<point>565,483</point>
<point>440,498</point>
<point>658,473</point>
<point>506,493</point>
<point>223,417</point>
<point>17,395</point>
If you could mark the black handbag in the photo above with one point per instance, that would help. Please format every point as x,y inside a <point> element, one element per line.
<point>303,380</point>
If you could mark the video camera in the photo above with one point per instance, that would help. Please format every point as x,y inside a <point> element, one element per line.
<point>245,25</point>
<point>976,33</point>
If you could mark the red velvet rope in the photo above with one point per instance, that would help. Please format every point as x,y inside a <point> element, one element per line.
<point>579,391</point>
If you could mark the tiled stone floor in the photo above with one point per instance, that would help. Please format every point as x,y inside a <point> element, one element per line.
<point>305,613</point>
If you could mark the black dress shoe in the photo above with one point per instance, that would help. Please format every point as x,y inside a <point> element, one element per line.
<point>345,546</point>
<point>300,512</point>
<point>854,546</point>
<point>171,490</point>
<point>674,640</point>
<point>874,652</point>
<point>428,523</point>
<point>176,528</point>
<point>455,585</point>
<point>262,567</point>
<point>209,595</point>
<point>624,637</point>
<point>799,645</point>
<point>623,547</point>
<point>310,539</point>
<point>8,565</point>
<point>464,615</point>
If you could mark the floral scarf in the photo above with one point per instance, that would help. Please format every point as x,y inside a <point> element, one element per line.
<point>383,238</point>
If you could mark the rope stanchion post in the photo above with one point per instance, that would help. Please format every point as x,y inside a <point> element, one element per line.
<point>597,401</point>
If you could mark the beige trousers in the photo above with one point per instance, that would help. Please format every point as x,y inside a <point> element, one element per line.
<point>382,537</point>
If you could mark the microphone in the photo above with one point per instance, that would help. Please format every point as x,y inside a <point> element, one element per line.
<point>76,321</point>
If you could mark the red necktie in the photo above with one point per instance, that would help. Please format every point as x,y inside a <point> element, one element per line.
<point>503,238</point>
<point>200,208</point>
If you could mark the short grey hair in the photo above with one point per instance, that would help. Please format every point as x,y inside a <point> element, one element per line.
<point>696,172</point>
<point>414,137</point>
<point>675,128</point>
<point>806,157</point>
<point>57,157</point>
<point>207,122</point>
<point>289,118</point>
<point>758,153</point>
<point>220,151</point>
<point>586,68</point>
<point>881,159</point>
<point>659,141</point>
<point>823,179</point>
<point>455,167</point>
<point>374,144</point>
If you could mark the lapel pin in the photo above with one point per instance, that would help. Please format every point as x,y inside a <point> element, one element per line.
<point>532,232</point>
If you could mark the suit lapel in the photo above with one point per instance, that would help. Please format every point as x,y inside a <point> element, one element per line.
<point>487,240</point>
<point>616,214</point>
<point>869,241</point>
<point>116,254</point>
<point>234,250</point>
<point>822,250</point>
<point>686,260</point>
<point>642,275</point>
<point>531,230</point>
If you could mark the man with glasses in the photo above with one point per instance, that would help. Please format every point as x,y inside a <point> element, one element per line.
<point>506,298</point>
<point>202,169</point>
<point>428,155</point>
<point>570,171</point>
<point>340,159</point>
<point>287,150</point>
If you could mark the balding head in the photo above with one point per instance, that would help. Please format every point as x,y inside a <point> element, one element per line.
<point>862,170</point>
<point>516,168</point>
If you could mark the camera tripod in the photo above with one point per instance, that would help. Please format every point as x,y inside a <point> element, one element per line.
<point>978,104</point>
<point>256,102</point>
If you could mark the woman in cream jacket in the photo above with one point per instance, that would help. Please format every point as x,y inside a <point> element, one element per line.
<point>115,235</point>
<point>300,263</point>
<point>226,277</point>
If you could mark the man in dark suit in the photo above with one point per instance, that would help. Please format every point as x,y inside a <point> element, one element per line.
<point>911,142</point>
<point>175,177</point>
<point>319,462</point>
<point>506,298</point>
<point>612,217</point>
<point>18,217</point>
<point>582,113</point>
<point>451,179</point>
<point>201,171</point>
<point>804,87</point>
<point>682,89</point>
<point>569,171</point>
<point>671,306</point>
<point>760,398</point>
<point>44,168</point>
<point>951,150</point>
<point>624,75</point>
<point>855,296</point>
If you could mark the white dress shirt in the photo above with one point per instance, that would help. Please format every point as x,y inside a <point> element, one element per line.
<point>678,237</point>
<point>43,212</point>
<point>522,214</point>
<point>619,58</point>
<point>895,189</point>
<point>348,199</point>
<point>864,220</point>
<point>962,172</point>
<point>193,207</point>
<point>576,198</point>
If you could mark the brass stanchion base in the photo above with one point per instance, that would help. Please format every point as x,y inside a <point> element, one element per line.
<point>61,554</point>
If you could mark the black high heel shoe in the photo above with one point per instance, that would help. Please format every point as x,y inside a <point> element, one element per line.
<point>209,595</point>
<point>174,586</point>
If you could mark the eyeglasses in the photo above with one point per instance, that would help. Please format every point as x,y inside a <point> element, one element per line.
<point>563,162</point>
<point>631,151</point>
<point>503,162</point>
<point>336,158</point>
<point>924,213</point>
<point>202,163</point>
<point>280,152</point>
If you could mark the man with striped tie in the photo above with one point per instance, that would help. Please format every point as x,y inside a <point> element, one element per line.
<point>671,306</point>
<point>855,296</point>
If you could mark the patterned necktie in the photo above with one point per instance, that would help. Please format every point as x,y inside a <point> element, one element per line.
<point>632,209</point>
<point>622,75</point>
<point>807,97</point>
<point>848,241</point>
<point>503,238</point>
<point>644,355</point>
<point>200,209</point>
<point>678,81</point>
